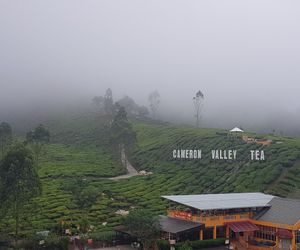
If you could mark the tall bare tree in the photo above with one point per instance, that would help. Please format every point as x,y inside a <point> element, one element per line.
<point>198,103</point>
<point>154,101</point>
<point>108,102</point>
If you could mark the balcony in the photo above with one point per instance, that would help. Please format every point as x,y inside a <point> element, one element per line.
<point>209,220</point>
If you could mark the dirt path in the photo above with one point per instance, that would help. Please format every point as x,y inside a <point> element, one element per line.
<point>130,169</point>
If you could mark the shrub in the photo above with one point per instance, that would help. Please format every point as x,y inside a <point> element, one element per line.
<point>56,243</point>
<point>108,236</point>
<point>52,242</point>
<point>185,246</point>
<point>163,245</point>
<point>197,244</point>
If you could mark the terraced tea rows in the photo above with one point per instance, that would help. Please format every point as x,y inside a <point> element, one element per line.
<point>66,159</point>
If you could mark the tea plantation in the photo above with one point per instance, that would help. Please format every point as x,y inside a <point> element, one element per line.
<point>81,151</point>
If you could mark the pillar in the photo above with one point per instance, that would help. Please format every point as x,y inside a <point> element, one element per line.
<point>227,232</point>
<point>201,234</point>
<point>277,239</point>
<point>294,247</point>
<point>215,232</point>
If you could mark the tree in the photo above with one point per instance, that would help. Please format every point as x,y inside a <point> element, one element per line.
<point>122,133</point>
<point>143,111</point>
<point>186,246</point>
<point>143,225</point>
<point>128,103</point>
<point>37,140</point>
<point>5,136</point>
<point>198,101</point>
<point>19,182</point>
<point>108,102</point>
<point>98,102</point>
<point>132,108</point>
<point>154,101</point>
<point>84,196</point>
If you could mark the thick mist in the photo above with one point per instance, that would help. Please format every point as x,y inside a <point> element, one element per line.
<point>243,55</point>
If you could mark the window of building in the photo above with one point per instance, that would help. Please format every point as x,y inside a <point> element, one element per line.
<point>221,232</point>
<point>266,233</point>
<point>208,233</point>
<point>298,237</point>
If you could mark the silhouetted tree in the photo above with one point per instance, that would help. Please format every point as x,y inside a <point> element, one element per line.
<point>198,101</point>
<point>128,103</point>
<point>154,101</point>
<point>108,102</point>
<point>19,182</point>
<point>5,136</point>
<point>84,195</point>
<point>132,108</point>
<point>143,111</point>
<point>122,133</point>
<point>37,140</point>
<point>143,225</point>
<point>98,102</point>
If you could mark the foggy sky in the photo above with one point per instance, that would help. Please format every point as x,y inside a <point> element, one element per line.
<point>243,55</point>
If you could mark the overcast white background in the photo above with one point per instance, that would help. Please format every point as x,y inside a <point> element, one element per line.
<point>243,55</point>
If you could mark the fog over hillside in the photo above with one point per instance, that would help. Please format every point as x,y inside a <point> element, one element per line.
<point>58,54</point>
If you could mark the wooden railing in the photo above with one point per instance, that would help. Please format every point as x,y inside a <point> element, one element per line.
<point>210,219</point>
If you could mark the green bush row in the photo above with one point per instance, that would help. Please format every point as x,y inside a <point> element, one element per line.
<point>198,244</point>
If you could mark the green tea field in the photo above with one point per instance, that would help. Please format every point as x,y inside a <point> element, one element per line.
<point>81,152</point>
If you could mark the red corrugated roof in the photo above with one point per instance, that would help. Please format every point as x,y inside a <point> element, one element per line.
<point>242,226</point>
<point>284,234</point>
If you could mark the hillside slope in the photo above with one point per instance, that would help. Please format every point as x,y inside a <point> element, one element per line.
<point>79,148</point>
<point>278,174</point>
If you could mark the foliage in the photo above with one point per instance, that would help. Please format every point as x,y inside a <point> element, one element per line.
<point>19,181</point>
<point>79,149</point>
<point>84,225</point>
<point>98,101</point>
<point>198,102</point>
<point>63,161</point>
<point>122,134</point>
<point>37,139</point>
<point>185,246</point>
<point>107,236</point>
<point>154,101</point>
<point>143,225</point>
<point>40,134</point>
<point>131,107</point>
<point>197,244</point>
<point>83,194</point>
<point>108,102</point>
<point>51,242</point>
<point>5,136</point>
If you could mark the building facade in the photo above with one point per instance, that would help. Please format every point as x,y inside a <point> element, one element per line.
<point>249,220</point>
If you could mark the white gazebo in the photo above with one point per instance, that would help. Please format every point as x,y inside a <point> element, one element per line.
<point>236,130</point>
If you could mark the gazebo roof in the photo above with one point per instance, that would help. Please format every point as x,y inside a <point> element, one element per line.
<point>236,129</point>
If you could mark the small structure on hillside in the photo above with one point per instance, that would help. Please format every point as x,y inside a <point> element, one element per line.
<point>122,212</point>
<point>236,130</point>
<point>145,173</point>
<point>250,139</point>
<point>263,142</point>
